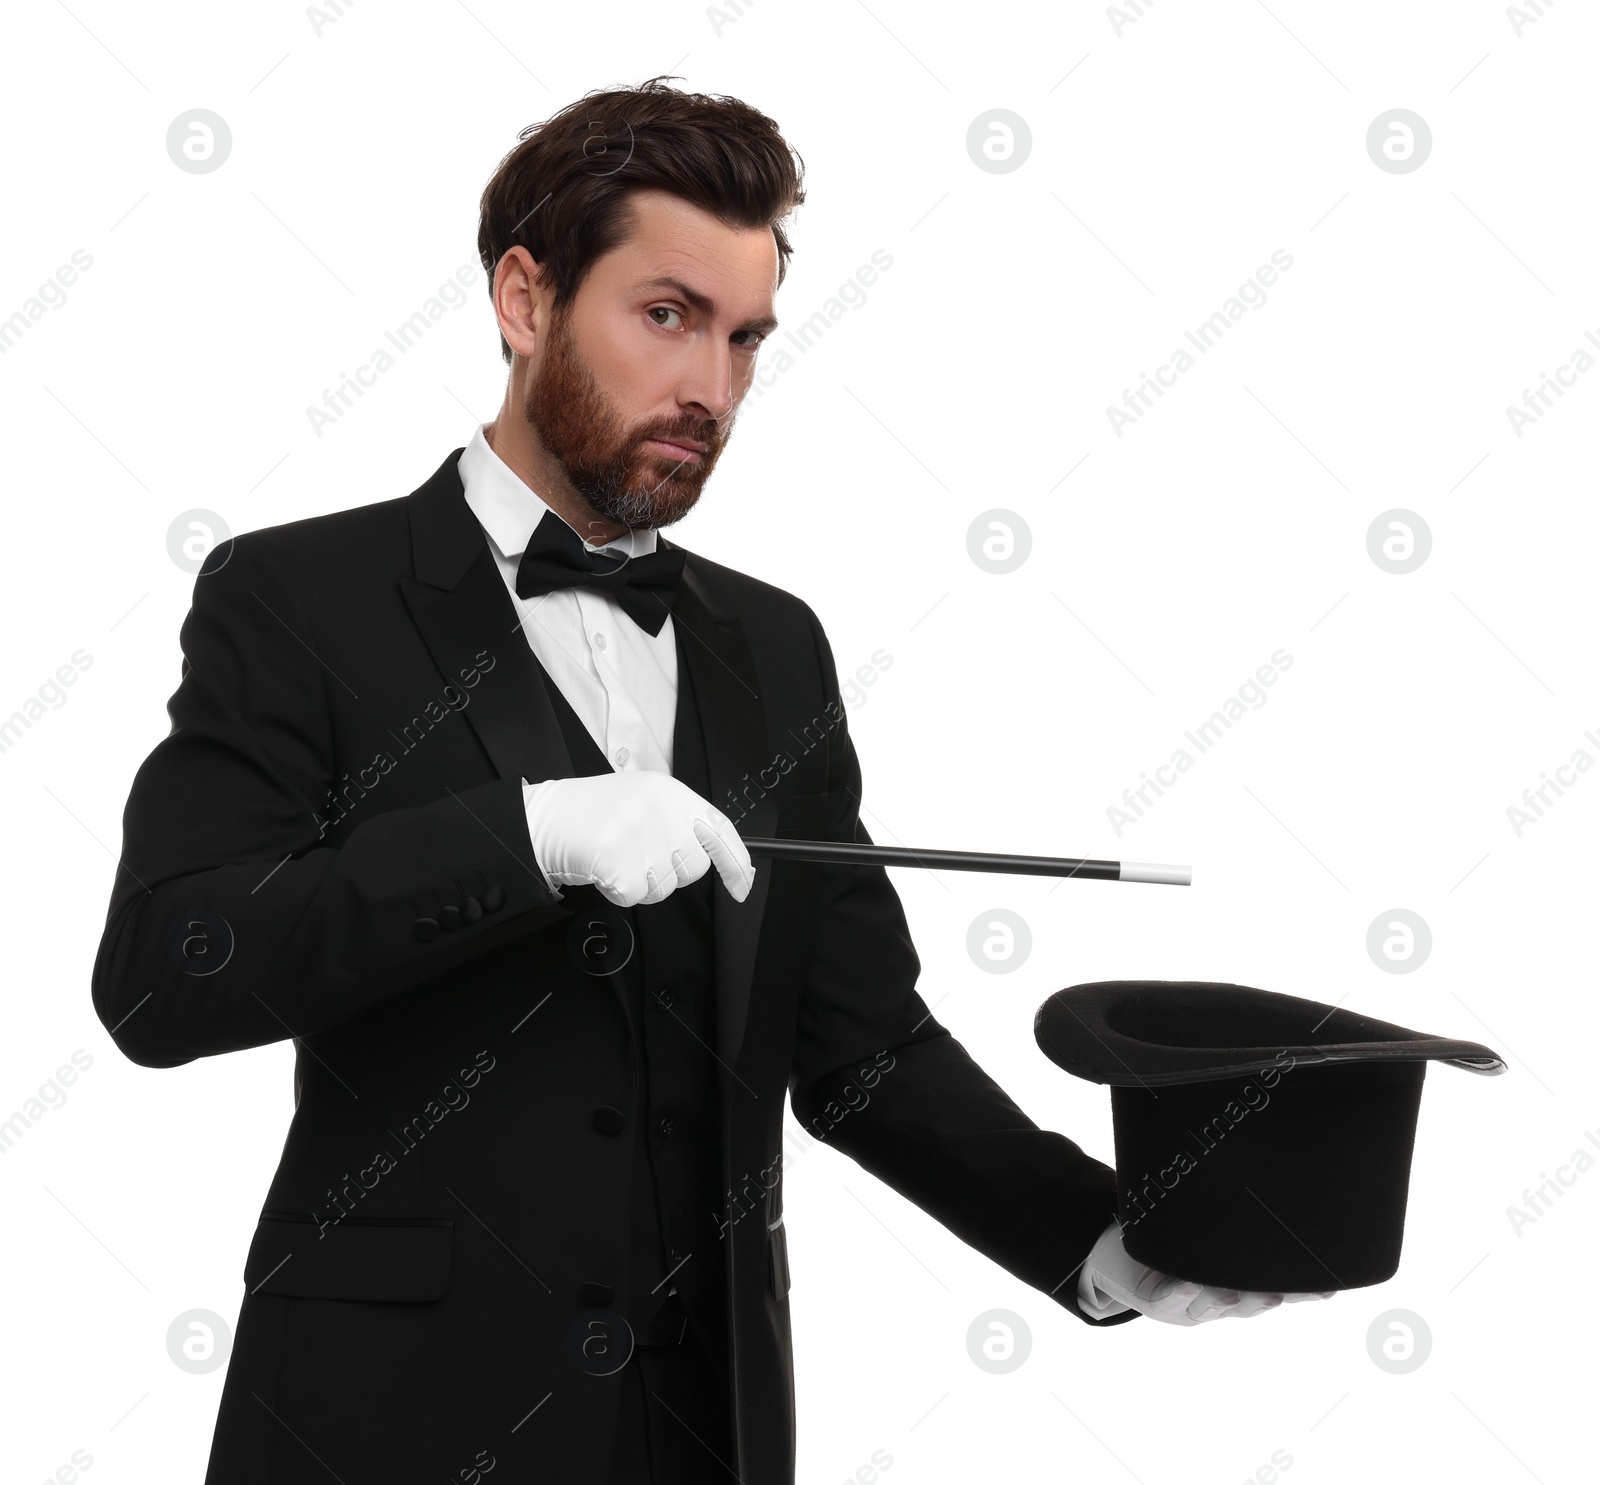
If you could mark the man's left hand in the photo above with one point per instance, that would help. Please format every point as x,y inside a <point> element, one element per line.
<point>1112,1281</point>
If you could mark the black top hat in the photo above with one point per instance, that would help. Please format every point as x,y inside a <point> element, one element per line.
<point>1263,1141</point>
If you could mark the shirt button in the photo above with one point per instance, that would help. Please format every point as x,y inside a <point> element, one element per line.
<point>622,756</point>
<point>666,1127</point>
<point>599,641</point>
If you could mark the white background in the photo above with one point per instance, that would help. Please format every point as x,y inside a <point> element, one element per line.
<point>1171,155</point>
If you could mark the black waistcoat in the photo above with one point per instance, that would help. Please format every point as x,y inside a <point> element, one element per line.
<point>667,990</point>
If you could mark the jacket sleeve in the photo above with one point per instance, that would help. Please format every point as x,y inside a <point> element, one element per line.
<point>231,924</point>
<point>877,1077</point>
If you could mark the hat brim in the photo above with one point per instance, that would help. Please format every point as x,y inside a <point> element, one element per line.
<point>1154,1033</point>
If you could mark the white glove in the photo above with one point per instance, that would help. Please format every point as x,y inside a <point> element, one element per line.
<point>1112,1282</point>
<point>636,836</point>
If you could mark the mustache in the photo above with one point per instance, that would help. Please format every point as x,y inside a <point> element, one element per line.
<point>711,434</point>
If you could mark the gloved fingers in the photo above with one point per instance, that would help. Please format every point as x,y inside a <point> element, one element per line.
<point>1294,1299</point>
<point>690,862</point>
<point>630,885</point>
<point>727,852</point>
<point>1211,1303</point>
<point>1152,1286</point>
<point>672,868</point>
<point>1253,1302</point>
<point>1170,1300</point>
<point>661,879</point>
<point>654,888</point>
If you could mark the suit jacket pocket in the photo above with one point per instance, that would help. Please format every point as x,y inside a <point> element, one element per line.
<point>366,1258</point>
<point>778,1261</point>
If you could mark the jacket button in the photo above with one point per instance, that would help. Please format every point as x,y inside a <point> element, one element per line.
<point>607,1119</point>
<point>596,1294</point>
<point>666,1126</point>
<point>450,917</point>
<point>425,929</point>
<point>494,899</point>
<point>471,910</point>
<point>663,1000</point>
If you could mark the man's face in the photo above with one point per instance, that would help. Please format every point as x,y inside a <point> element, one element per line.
<point>637,381</point>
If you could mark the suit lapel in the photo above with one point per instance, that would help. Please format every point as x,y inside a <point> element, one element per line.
<point>459,603</point>
<point>734,722</point>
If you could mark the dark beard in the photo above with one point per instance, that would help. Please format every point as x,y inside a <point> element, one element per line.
<point>605,462</point>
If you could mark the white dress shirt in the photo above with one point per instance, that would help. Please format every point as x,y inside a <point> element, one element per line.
<point>621,681</point>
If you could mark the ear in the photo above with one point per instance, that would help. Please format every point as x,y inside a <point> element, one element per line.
<point>522,302</point>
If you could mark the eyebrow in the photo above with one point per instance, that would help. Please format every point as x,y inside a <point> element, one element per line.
<point>703,302</point>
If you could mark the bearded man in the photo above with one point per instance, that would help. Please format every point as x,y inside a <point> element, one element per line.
<point>454,798</point>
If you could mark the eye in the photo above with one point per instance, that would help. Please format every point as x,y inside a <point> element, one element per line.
<point>752,341</point>
<point>664,309</point>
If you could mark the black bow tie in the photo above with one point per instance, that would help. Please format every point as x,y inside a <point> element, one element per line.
<point>644,586</point>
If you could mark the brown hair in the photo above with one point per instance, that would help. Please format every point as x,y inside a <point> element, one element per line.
<point>562,192</point>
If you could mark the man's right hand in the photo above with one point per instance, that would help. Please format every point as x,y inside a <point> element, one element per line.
<point>635,836</point>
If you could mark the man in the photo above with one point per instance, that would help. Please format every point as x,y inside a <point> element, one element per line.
<point>455,796</point>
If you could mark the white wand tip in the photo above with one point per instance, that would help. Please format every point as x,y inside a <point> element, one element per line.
<point>1144,871</point>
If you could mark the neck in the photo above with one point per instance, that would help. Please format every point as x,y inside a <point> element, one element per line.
<point>517,443</point>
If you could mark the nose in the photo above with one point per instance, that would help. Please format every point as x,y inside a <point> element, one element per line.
<point>710,385</point>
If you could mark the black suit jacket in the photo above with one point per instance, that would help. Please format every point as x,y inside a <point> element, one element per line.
<point>357,711</point>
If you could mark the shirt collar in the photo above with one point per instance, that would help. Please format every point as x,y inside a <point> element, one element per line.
<point>508,508</point>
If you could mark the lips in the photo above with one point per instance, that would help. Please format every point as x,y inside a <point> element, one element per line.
<point>679,448</point>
